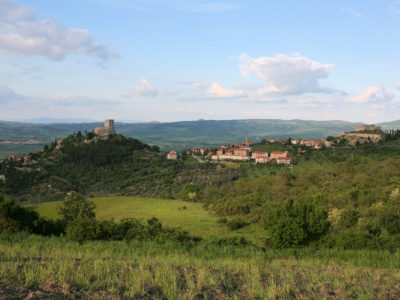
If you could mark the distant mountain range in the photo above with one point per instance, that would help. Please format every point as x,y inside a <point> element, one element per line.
<point>180,135</point>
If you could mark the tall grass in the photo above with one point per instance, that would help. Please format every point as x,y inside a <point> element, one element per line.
<point>172,271</point>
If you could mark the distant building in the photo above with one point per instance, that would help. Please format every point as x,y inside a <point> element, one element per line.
<point>368,128</point>
<point>284,160</point>
<point>3,178</point>
<point>59,144</point>
<point>236,145</point>
<point>308,142</point>
<point>107,130</point>
<point>243,152</point>
<point>247,143</point>
<point>327,144</point>
<point>256,154</point>
<point>295,141</point>
<point>363,134</point>
<point>221,150</point>
<point>203,151</point>
<point>16,157</point>
<point>172,155</point>
<point>262,159</point>
<point>276,155</point>
<point>230,157</point>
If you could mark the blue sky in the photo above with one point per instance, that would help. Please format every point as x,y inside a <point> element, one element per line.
<point>171,60</point>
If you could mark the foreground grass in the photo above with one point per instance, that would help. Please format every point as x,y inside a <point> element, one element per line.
<point>191,217</point>
<point>144,270</point>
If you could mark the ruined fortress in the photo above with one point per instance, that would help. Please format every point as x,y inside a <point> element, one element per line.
<point>371,128</point>
<point>107,130</point>
<point>363,134</point>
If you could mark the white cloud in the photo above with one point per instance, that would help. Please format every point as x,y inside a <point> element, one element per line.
<point>397,85</point>
<point>373,94</point>
<point>12,11</point>
<point>351,11</point>
<point>24,35</point>
<point>214,91</point>
<point>145,88</point>
<point>220,92</point>
<point>287,75</point>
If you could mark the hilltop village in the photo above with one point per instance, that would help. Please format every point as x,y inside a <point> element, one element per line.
<point>244,151</point>
<point>240,152</point>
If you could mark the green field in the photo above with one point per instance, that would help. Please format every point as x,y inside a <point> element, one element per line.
<point>7,149</point>
<point>191,217</point>
<point>55,268</point>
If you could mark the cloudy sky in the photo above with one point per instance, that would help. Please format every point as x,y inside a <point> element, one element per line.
<point>172,60</point>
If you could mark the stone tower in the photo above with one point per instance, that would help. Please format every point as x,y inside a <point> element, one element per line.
<point>107,130</point>
<point>109,125</point>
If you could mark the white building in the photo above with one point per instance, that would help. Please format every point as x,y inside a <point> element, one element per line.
<point>172,155</point>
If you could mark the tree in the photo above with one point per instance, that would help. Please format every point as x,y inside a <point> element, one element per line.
<point>75,205</point>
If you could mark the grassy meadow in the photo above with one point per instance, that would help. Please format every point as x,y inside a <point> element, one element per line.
<point>55,267</point>
<point>188,216</point>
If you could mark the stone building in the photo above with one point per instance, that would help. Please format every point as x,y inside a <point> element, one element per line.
<point>276,155</point>
<point>363,134</point>
<point>16,157</point>
<point>107,130</point>
<point>243,152</point>
<point>256,154</point>
<point>368,128</point>
<point>262,159</point>
<point>284,160</point>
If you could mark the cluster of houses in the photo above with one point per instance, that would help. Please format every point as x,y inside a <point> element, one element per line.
<point>238,152</point>
<point>244,152</point>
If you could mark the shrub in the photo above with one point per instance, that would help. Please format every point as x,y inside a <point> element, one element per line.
<point>14,218</point>
<point>222,221</point>
<point>348,218</point>
<point>232,241</point>
<point>236,224</point>
<point>296,224</point>
<point>82,229</point>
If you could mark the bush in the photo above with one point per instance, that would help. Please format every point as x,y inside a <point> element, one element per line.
<point>232,241</point>
<point>296,224</point>
<point>82,229</point>
<point>236,224</point>
<point>349,218</point>
<point>14,218</point>
<point>222,221</point>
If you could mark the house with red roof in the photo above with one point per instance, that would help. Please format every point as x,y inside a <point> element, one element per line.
<point>172,155</point>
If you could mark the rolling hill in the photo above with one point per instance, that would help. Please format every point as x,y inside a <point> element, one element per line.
<point>23,137</point>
